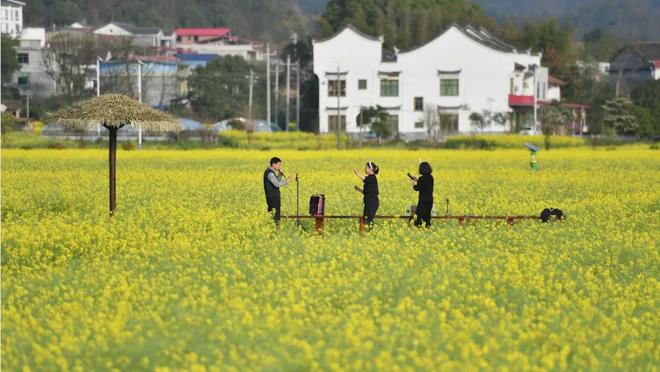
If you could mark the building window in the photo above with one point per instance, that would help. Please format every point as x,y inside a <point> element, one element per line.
<point>419,103</point>
<point>23,81</point>
<point>178,39</point>
<point>511,91</point>
<point>419,124</point>
<point>389,87</point>
<point>336,88</point>
<point>449,87</point>
<point>362,84</point>
<point>448,122</point>
<point>23,58</point>
<point>16,14</point>
<point>332,123</point>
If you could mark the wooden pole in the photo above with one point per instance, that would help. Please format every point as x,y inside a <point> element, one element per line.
<point>112,159</point>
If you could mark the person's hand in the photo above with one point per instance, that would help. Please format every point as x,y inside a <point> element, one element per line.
<point>289,178</point>
<point>356,172</point>
<point>357,189</point>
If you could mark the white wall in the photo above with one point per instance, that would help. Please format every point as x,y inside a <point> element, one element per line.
<point>11,19</point>
<point>484,77</point>
<point>112,30</point>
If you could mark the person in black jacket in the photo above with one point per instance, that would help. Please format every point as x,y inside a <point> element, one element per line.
<point>423,185</point>
<point>370,191</point>
<point>273,180</point>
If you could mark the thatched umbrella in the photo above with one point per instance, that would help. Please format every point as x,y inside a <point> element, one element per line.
<point>113,111</point>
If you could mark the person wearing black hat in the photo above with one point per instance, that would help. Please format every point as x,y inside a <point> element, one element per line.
<point>423,185</point>
<point>370,191</point>
<point>273,180</point>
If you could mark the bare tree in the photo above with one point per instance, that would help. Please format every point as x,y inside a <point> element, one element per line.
<point>432,123</point>
<point>478,121</point>
<point>68,58</point>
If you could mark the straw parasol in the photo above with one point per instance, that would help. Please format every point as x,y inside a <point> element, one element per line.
<point>113,111</point>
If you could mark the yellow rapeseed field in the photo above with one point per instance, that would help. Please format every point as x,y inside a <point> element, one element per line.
<point>191,274</point>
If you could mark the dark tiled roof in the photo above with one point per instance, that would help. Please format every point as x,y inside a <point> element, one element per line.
<point>649,50</point>
<point>352,28</point>
<point>137,30</point>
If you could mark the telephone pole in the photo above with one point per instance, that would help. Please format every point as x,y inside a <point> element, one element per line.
<point>277,92</point>
<point>250,97</point>
<point>288,90</point>
<point>268,84</point>
<point>338,118</point>
<point>298,95</point>
<point>139,99</point>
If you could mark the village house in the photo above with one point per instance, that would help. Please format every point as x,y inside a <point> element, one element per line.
<point>462,71</point>
<point>11,17</point>
<point>635,64</point>
<point>140,36</point>
<point>218,41</point>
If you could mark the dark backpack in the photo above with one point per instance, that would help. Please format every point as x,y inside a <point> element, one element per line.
<point>547,214</point>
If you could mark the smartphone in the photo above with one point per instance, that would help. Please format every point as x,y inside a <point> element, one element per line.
<point>411,176</point>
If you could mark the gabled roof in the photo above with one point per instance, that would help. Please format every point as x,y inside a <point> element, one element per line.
<point>135,30</point>
<point>649,51</point>
<point>349,27</point>
<point>205,32</point>
<point>555,81</point>
<point>479,35</point>
<point>14,2</point>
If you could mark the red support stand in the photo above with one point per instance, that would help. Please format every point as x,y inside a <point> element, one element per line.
<point>319,224</point>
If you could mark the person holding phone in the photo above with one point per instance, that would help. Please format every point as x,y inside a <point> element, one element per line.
<point>423,185</point>
<point>369,191</point>
<point>273,181</point>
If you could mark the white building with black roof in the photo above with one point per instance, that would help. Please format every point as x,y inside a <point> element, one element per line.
<point>461,71</point>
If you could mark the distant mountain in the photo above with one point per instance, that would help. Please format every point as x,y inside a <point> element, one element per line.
<point>627,20</point>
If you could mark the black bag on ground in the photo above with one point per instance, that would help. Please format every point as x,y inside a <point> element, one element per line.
<point>547,213</point>
<point>317,205</point>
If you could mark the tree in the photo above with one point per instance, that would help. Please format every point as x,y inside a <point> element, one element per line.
<point>553,120</point>
<point>67,59</point>
<point>9,61</point>
<point>647,107</point>
<point>620,116</point>
<point>599,44</point>
<point>477,120</point>
<point>376,119</point>
<point>220,90</point>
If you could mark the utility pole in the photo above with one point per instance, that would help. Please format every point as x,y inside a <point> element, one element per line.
<point>277,92</point>
<point>268,83</point>
<point>338,118</point>
<point>139,99</point>
<point>288,90</point>
<point>534,125</point>
<point>298,95</point>
<point>98,90</point>
<point>250,97</point>
<point>27,101</point>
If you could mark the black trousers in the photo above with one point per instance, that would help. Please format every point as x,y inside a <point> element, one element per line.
<point>423,212</point>
<point>274,206</point>
<point>370,209</point>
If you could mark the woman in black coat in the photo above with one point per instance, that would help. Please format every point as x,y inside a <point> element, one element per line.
<point>370,191</point>
<point>424,185</point>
